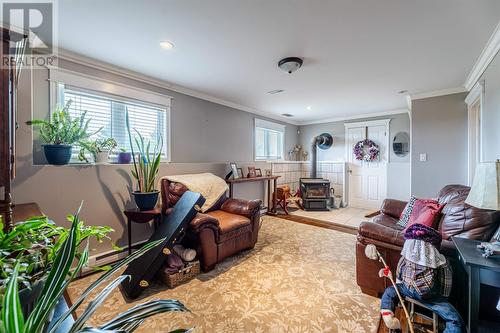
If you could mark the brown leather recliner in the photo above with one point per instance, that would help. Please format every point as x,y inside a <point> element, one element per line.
<point>230,226</point>
<point>457,219</point>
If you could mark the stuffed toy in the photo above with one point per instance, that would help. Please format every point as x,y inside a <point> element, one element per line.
<point>423,274</point>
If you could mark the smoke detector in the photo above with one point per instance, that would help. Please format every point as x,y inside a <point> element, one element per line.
<point>290,64</point>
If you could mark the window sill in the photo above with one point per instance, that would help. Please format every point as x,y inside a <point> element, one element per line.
<point>82,165</point>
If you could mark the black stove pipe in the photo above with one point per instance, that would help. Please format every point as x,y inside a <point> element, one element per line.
<point>322,141</point>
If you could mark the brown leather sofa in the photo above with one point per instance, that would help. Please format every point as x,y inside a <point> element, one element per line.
<point>457,219</point>
<point>230,226</point>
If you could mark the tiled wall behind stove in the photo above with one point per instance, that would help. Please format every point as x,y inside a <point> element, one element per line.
<point>291,173</point>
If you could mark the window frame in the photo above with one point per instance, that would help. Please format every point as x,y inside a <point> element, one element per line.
<point>271,126</point>
<point>113,90</point>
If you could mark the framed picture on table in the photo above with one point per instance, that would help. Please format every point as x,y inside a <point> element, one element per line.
<point>234,169</point>
<point>258,172</point>
<point>240,173</point>
<point>251,172</point>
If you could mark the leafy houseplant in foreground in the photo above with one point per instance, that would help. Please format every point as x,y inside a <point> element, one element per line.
<point>99,149</point>
<point>60,133</point>
<point>61,274</point>
<point>33,245</point>
<point>146,166</point>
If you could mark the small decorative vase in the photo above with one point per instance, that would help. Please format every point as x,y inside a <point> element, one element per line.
<point>124,158</point>
<point>58,154</point>
<point>145,200</point>
<point>102,157</point>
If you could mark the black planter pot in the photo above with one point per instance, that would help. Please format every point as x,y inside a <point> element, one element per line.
<point>28,297</point>
<point>57,154</point>
<point>146,200</point>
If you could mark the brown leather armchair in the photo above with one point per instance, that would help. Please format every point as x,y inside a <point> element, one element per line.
<point>457,219</point>
<point>230,226</point>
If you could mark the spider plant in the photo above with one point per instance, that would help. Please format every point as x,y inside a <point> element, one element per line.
<point>62,273</point>
<point>96,147</point>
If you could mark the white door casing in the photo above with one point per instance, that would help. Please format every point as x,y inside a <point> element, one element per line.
<point>367,181</point>
<point>474,102</point>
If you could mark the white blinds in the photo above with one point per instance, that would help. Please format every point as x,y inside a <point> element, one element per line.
<point>109,114</point>
<point>269,138</point>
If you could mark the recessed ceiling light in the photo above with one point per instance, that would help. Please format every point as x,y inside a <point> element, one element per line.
<point>276,91</point>
<point>402,91</point>
<point>288,115</point>
<point>167,45</point>
<point>309,107</point>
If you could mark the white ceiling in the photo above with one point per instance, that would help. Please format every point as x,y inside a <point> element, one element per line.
<point>357,53</point>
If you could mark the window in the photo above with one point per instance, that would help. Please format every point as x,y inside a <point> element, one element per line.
<point>108,111</point>
<point>269,138</point>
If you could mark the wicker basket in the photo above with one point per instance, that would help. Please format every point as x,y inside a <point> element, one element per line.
<point>184,275</point>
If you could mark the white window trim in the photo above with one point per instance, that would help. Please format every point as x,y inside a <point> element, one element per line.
<point>272,126</point>
<point>116,90</point>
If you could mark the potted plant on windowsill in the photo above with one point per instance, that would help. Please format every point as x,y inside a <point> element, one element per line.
<point>60,133</point>
<point>124,157</point>
<point>146,166</point>
<point>99,149</point>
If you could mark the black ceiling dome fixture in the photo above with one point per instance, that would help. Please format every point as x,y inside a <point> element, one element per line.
<point>290,64</point>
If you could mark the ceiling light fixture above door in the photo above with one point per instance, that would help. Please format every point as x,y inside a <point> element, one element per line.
<point>290,64</point>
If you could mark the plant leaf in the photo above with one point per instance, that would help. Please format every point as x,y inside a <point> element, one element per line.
<point>12,314</point>
<point>104,277</point>
<point>144,310</point>
<point>96,302</point>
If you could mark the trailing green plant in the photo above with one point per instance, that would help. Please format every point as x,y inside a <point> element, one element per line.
<point>62,273</point>
<point>94,147</point>
<point>147,161</point>
<point>61,128</point>
<point>33,245</point>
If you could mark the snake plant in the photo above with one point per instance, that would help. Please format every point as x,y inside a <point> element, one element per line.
<point>62,273</point>
<point>147,161</point>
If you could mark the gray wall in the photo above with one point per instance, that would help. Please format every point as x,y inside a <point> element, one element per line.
<point>205,138</point>
<point>398,168</point>
<point>490,121</point>
<point>439,129</point>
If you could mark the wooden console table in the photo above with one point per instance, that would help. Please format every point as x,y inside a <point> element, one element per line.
<point>271,202</point>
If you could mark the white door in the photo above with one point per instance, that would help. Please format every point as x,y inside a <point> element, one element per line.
<point>367,180</point>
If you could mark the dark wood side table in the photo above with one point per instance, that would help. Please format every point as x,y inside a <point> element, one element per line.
<point>480,270</point>
<point>271,194</point>
<point>137,216</point>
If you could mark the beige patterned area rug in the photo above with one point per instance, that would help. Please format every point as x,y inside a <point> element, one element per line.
<point>299,278</point>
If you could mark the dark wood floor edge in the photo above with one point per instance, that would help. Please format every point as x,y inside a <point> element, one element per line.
<point>320,223</point>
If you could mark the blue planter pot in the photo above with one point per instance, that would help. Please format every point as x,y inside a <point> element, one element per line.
<point>58,154</point>
<point>146,201</point>
<point>124,158</point>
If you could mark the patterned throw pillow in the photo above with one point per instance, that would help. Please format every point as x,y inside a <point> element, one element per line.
<point>405,215</point>
<point>426,212</point>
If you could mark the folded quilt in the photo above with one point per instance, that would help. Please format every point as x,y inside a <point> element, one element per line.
<point>207,184</point>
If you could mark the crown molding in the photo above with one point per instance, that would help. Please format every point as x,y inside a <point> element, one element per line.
<point>436,93</point>
<point>116,70</point>
<point>490,50</point>
<point>359,116</point>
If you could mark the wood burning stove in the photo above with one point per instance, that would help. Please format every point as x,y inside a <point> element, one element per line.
<point>315,193</point>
